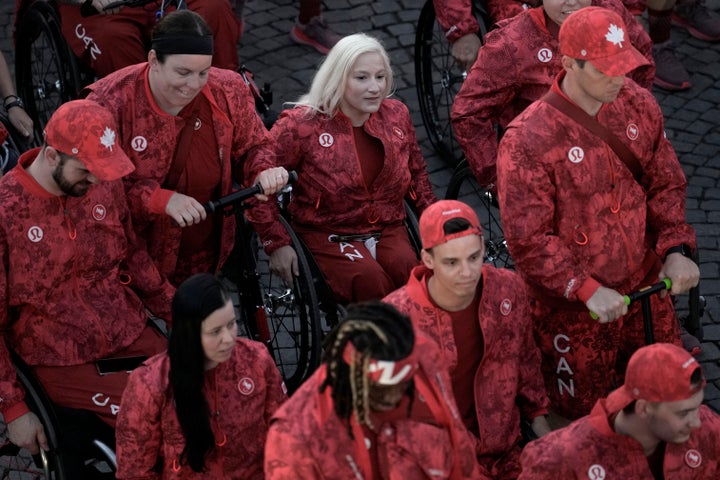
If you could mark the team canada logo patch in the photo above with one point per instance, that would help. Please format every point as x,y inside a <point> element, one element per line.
<point>398,133</point>
<point>632,131</point>
<point>506,307</point>
<point>139,143</point>
<point>246,386</point>
<point>693,459</point>
<point>576,154</point>
<point>544,55</point>
<point>99,212</point>
<point>35,234</point>
<point>326,140</point>
<point>615,35</point>
<point>596,472</point>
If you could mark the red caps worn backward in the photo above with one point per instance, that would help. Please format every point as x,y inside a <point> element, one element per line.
<point>87,131</point>
<point>600,36</point>
<point>660,372</point>
<point>433,219</point>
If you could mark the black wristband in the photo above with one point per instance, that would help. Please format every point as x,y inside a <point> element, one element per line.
<point>682,249</point>
<point>17,103</point>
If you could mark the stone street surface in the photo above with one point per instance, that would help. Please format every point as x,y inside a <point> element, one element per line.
<point>692,117</point>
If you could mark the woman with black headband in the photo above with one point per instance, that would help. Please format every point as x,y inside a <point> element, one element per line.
<point>190,129</point>
<point>381,407</point>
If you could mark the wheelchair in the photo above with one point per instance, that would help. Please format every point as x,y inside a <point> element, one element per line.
<point>291,320</point>
<point>48,74</point>
<point>438,78</point>
<point>81,445</point>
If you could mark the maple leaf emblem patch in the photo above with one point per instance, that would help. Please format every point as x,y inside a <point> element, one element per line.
<point>615,35</point>
<point>108,138</point>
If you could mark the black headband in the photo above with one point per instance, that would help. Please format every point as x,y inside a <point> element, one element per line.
<point>183,45</point>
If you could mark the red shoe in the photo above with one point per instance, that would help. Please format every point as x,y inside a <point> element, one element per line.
<point>316,34</point>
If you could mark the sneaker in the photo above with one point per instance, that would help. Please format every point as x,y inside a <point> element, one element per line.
<point>698,20</point>
<point>690,342</point>
<point>316,34</point>
<point>669,72</point>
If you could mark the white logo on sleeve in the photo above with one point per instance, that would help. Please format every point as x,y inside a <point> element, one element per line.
<point>35,234</point>
<point>596,472</point>
<point>544,55</point>
<point>139,143</point>
<point>326,140</point>
<point>505,307</point>
<point>576,154</point>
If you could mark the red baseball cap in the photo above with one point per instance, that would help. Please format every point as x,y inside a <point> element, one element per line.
<point>659,372</point>
<point>87,131</point>
<point>600,36</point>
<point>434,217</point>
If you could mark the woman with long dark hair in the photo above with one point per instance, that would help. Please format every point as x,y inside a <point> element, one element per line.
<point>201,409</point>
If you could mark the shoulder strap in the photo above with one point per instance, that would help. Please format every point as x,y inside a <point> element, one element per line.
<point>182,148</point>
<point>581,117</point>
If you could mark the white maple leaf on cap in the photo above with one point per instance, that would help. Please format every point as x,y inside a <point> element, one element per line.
<point>615,35</point>
<point>108,138</point>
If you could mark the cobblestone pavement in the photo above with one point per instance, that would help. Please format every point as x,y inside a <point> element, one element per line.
<point>692,117</point>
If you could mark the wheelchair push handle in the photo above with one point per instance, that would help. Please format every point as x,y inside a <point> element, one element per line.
<point>87,9</point>
<point>665,284</point>
<point>241,195</point>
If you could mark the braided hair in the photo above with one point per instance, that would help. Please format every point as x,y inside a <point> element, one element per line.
<point>377,331</point>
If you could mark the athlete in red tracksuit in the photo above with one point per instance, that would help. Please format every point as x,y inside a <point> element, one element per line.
<point>515,67</point>
<point>653,427</point>
<point>109,42</point>
<point>581,229</point>
<point>386,435</point>
<point>242,392</point>
<point>149,136</point>
<point>76,284</point>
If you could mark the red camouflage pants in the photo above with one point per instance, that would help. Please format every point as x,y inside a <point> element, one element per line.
<point>110,42</point>
<point>351,271</point>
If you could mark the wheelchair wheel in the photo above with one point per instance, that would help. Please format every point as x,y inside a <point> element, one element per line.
<point>287,319</point>
<point>438,79</point>
<point>463,186</point>
<point>19,464</point>
<point>46,71</point>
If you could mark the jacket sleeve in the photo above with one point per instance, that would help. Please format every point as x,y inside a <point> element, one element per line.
<point>543,459</point>
<point>456,18</point>
<point>288,457</point>
<point>421,192</point>
<point>154,290</point>
<point>665,185</point>
<point>277,392</point>
<point>138,433</point>
<point>486,93</point>
<point>12,404</point>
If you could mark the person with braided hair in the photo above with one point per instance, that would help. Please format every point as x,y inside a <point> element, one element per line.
<point>380,407</point>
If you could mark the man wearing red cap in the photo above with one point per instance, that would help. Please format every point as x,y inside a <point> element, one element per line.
<point>479,316</point>
<point>516,66</point>
<point>652,427</point>
<point>76,287</point>
<point>378,408</point>
<point>593,204</point>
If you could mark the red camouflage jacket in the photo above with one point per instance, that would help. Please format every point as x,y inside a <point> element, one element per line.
<point>149,137</point>
<point>243,392</point>
<point>71,275</point>
<point>590,448</point>
<point>308,441</point>
<point>457,19</point>
<point>508,382</point>
<point>516,66</point>
<point>330,194</point>
<point>574,216</point>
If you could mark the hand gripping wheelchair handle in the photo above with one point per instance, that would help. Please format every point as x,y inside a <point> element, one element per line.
<point>665,284</point>
<point>241,195</point>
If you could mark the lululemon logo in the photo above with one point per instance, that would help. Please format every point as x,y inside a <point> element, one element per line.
<point>596,472</point>
<point>35,234</point>
<point>99,212</point>
<point>506,307</point>
<point>398,133</point>
<point>139,143</point>
<point>198,124</point>
<point>632,131</point>
<point>693,458</point>
<point>326,140</point>
<point>545,55</point>
<point>576,155</point>
<point>246,386</point>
